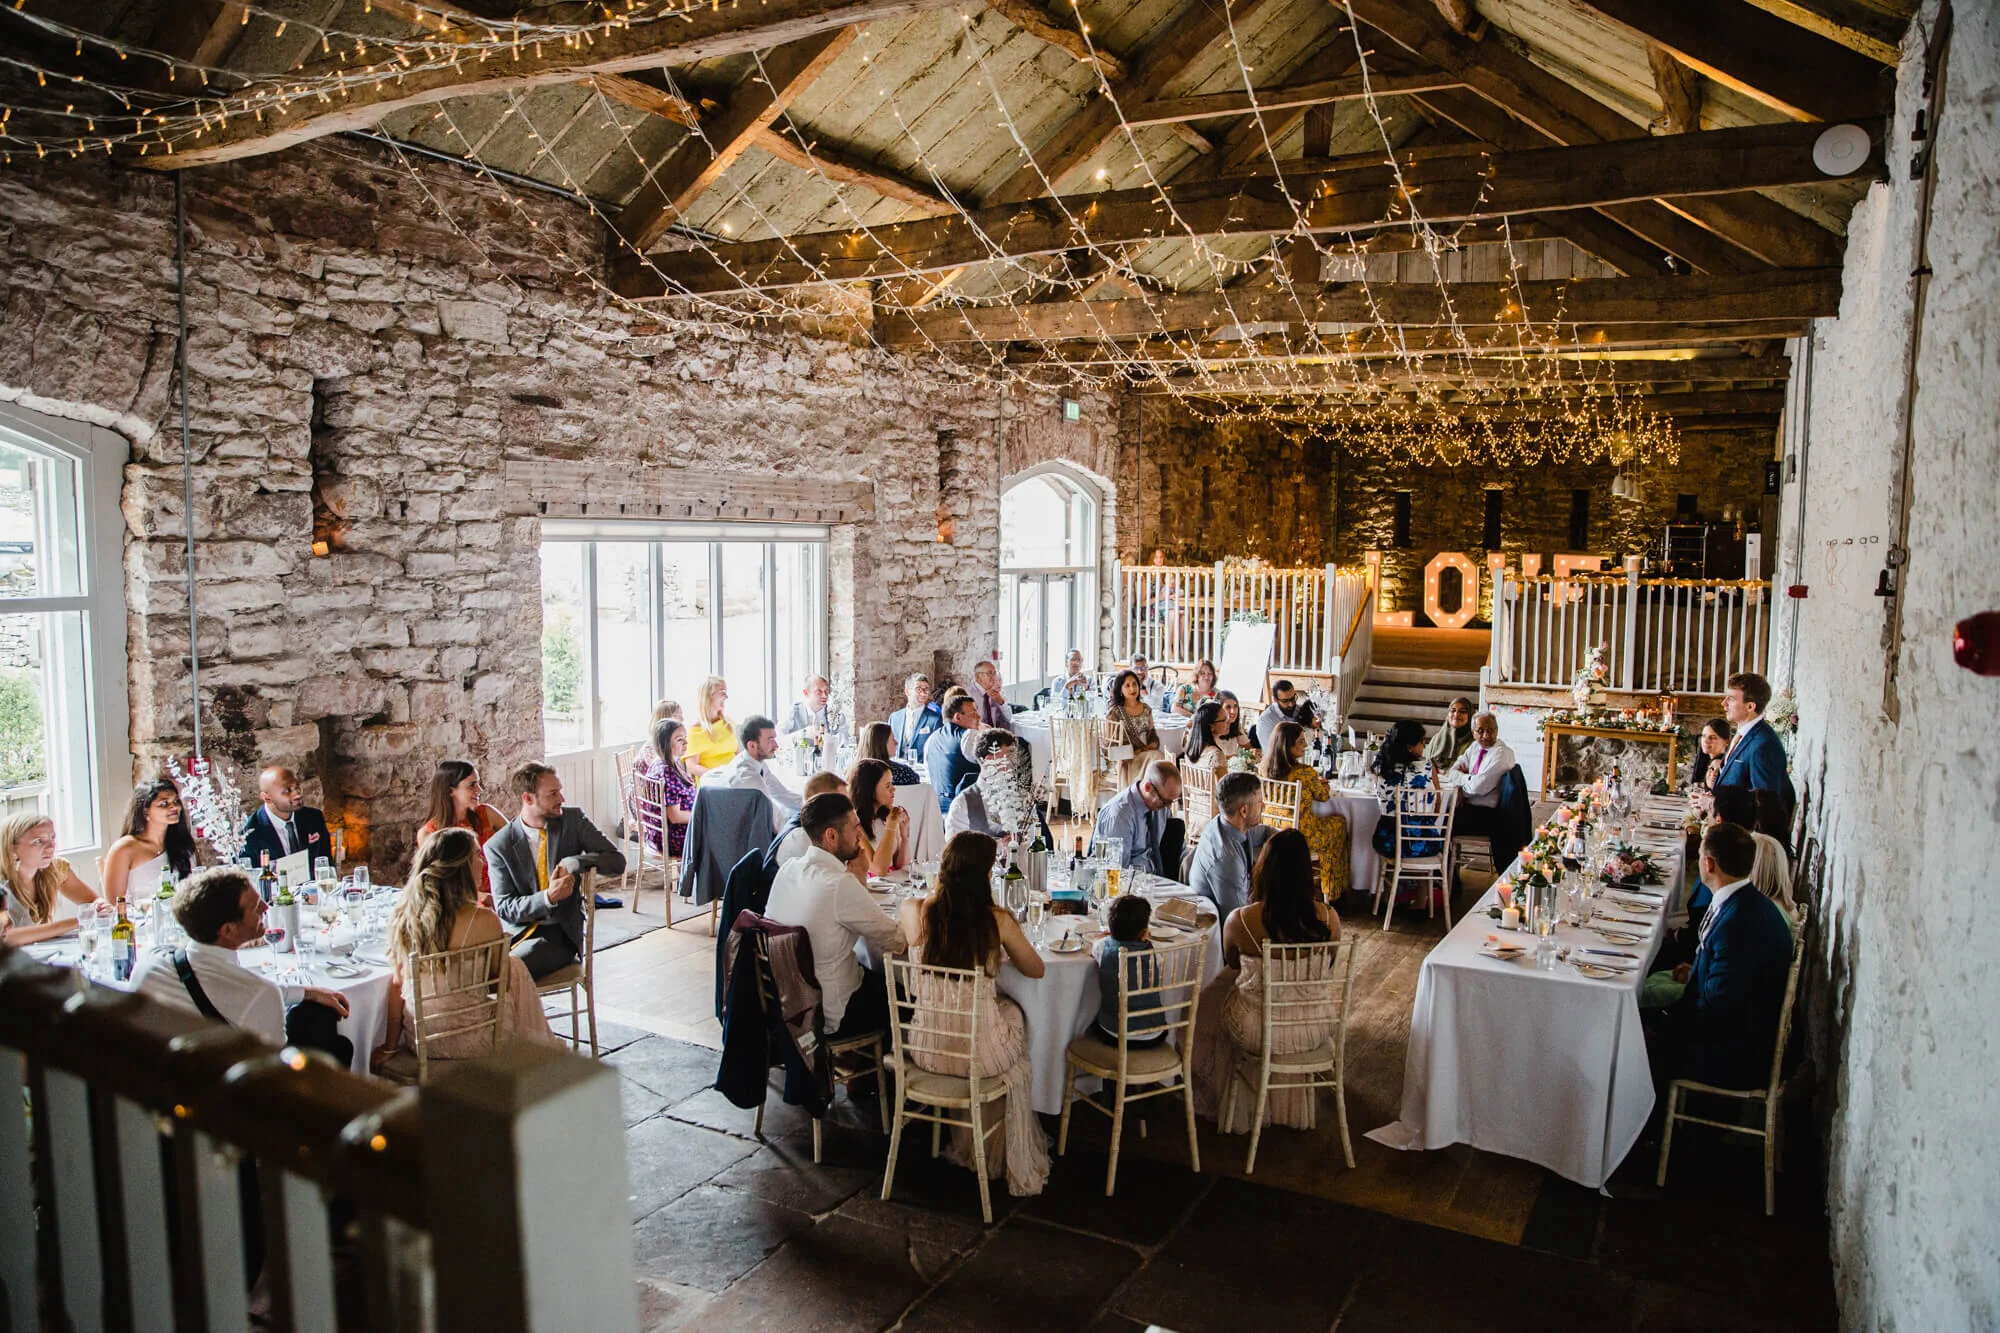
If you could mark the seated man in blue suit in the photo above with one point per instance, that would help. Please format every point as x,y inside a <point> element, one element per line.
<point>284,823</point>
<point>948,753</point>
<point>1756,757</point>
<point>1723,1028</point>
<point>913,723</point>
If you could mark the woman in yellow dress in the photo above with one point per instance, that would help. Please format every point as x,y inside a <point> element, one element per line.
<point>711,736</point>
<point>1320,818</point>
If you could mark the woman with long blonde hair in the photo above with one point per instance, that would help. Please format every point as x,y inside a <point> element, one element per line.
<point>711,735</point>
<point>439,912</point>
<point>33,877</point>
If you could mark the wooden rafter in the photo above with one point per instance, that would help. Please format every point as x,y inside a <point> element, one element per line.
<point>1730,402</point>
<point>200,32</point>
<point>1454,184</point>
<point>1038,21</point>
<point>786,142</point>
<point>1564,114</point>
<point>1169,352</point>
<point>1679,89</point>
<point>1858,26</point>
<point>1783,294</point>
<point>1059,160</point>
<point>1522,373</point>
<point>1760,55</point>
<point>699,160</point>
<point>703,33</point>
<point>1208,106</point>
<point>1460,14</point>
<point>640,96</point>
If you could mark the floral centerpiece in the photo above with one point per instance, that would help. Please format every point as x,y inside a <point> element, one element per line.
<point>1588,688</point>
<point>1605,720</point>
<point>214,805</point>
<point>1628,865</point>
<point>1242,762</point>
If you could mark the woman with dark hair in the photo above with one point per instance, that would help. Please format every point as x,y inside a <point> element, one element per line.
<point>1200,749</point>
<point>439,911</point>
<point>1320,816</point>
<point>1713,745</point>
<point>885,826</point>
<point>1284,908</point>
<point>670,770</point>
<point>1129,722</point>
<point>156,837</point>
<point>1400,764</point>
<point>455,802</point>
<point>959,926</point>
<point>878,741</point>
<point>1230,735</point>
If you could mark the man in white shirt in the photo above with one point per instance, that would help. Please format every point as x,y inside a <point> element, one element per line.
<point>751,768</point>
<point>820,894</point>
<point>791,843</point>
<point>1477,775</point>
<point>222,912</point>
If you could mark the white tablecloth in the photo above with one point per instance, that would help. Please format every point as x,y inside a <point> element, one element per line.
<point>1362,810</point>
<point>926,820</point>
<point>1034,728</point>
<point>367,1021</point>
<point>1549,1067</point>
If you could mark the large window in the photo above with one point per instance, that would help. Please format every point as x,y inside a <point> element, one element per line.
<point>632,613</point>
<point>62,626</point>
<point>1048,575</point>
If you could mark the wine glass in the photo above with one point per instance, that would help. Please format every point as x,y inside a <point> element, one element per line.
<point>1038,911</point>
<point>87,931</point>
<point>361,879</point>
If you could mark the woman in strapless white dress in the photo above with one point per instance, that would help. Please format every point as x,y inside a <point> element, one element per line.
<point>156,837</point>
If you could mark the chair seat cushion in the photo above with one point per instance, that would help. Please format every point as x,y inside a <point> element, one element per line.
<point>561,979</point>
<point>1100,1057</point>
<point>1317,1057</point>
<point>925,1085</point>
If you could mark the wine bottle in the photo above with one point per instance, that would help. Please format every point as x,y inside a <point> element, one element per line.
<point>124,945</point>
<point>267,879</point>
<point>1014,887</point>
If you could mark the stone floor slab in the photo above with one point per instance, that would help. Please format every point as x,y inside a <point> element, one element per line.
<point>709,1237</point>
<point>1026,1276</point>
<point>664,1159</point>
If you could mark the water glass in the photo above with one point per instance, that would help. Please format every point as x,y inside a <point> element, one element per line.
<point>361,878</point>
<point>1110,851</point>
<point>353,900</point>
<point>1038,911</point>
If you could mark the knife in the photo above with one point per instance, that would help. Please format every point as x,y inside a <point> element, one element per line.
<point>1611,953</point>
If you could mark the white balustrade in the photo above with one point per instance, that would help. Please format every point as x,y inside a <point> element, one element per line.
<point>1681,635</point>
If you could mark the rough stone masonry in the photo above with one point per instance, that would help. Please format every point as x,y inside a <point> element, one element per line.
<point>364,371</point>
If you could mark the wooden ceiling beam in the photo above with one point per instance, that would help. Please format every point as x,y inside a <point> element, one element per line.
<point>701,33</point>
<point>1402,411</point>
<point>1209,106</point>
<point>1787,68</point>
<point>200,32</point>
<point>786,142</point>
<point>1462,17</point>
<point>1058,162</point>
<point>1785,294</point>
<point>1413,343</point>
<point>642,96</point>
<point>699,160</point>
<point>1518,373</point>
<point>1566,114</point>
<point>1040,22</point>
<point>1355,195</point>
<point>1679,88</point>
<point>1855,25</point>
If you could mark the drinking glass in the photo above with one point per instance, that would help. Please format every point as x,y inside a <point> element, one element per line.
<point>361,879</point>
<point>87,930</point>
<point>353,900</point>
<point>1038,911</point>
<point>1111,851</point>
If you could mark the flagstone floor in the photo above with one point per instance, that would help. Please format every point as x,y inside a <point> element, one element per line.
<point>734,1232</point>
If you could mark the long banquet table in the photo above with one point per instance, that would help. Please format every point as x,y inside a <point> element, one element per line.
<point>1549,1067</point>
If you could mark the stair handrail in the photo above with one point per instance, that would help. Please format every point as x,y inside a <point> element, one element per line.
<point>1356,649</point>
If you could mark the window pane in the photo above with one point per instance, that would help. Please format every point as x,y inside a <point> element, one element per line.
<point>1027,645</point>
<point>624,659</point>
<point>684,630</point>
<point>1059,636</point>
<point>45,723</point>
<point>1034,525</point>
<point>743,603</point>
<point>564,647</point>
<point>795,605</point>
<point>38,524</point>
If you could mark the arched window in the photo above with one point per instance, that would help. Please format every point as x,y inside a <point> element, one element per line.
<point>1048,575</point>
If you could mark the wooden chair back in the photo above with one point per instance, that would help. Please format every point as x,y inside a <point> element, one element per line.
<point>458,993</point>
<point>1306,986</point>
<point>1198,792</point>
<point>1777,1080</point>
<point>1423,814</point>
<point>1282,801</point>
<point>934,1014</point>
<point>1160,982</point>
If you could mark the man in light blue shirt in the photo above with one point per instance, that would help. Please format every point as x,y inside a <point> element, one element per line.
<point>1138,816</point>
<point>1227,852</point>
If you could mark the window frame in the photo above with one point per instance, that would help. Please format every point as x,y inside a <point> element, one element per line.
<point>99,457</point>
<point>1083,533</point>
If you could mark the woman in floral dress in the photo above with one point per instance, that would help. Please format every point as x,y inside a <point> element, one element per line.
<point>1320,817</point>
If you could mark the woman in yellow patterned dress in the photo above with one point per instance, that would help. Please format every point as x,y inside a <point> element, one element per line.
<point>1320,818</point>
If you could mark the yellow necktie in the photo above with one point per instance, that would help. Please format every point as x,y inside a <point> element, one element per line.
<point>542,858</point>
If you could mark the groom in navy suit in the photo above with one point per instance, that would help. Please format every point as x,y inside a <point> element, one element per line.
<point>1724,1027</point>
<point>284,824</point>
<point>1756,758</point>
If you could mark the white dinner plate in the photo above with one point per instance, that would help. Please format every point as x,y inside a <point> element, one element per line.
<point>1067,944</point>
<point>1599,972</point>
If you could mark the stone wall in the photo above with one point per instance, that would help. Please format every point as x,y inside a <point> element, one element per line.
<point>366,371</point>
<point>1207,489</point>
<point>1902,984</point>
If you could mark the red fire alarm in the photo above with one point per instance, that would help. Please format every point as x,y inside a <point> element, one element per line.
<point>1975,643</point>
<point>1797,591</point>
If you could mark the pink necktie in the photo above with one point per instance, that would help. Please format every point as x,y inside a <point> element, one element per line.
<point>1479,760</point>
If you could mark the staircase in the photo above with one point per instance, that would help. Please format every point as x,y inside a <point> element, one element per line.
<point>1391,694</point>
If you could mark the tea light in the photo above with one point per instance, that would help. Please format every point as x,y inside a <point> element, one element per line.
<point>1510,918</point>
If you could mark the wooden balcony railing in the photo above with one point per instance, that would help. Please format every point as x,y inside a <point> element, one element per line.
<point>494,1198</point>
<point>1686,636</point>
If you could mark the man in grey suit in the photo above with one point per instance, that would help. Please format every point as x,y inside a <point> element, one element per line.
<point>809,711</point>
<point>1227,852</point>
<point>536,866</point>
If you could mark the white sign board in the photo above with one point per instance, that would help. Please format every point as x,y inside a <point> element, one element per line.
<point>1246,656</point>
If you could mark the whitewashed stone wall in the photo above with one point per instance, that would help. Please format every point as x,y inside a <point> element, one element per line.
<point>338,319</point>
<point>1909,813</point>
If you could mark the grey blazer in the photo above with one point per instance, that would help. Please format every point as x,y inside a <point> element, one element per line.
<point>574,844</point>
<point>1222,862</point>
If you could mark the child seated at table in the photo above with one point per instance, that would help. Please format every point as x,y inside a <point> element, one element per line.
<point>1131,933</point>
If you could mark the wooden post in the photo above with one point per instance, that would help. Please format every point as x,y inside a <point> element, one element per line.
<point>1329,634</point>
<point>1118,613</point>
<point>1629,673</point>
<point>526,1195</point>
